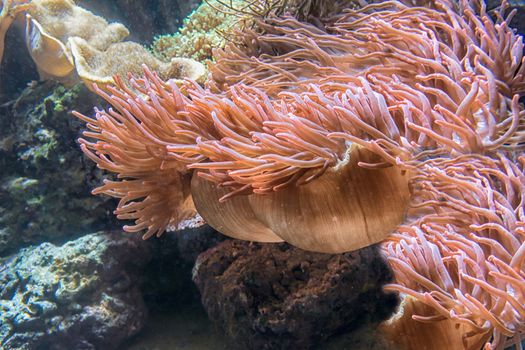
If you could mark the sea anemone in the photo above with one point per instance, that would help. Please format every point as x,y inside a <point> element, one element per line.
<point>330,136</point>
<point>461,264</point>
<point>385,86</point>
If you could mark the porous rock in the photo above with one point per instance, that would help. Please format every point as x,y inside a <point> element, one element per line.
<point>84,294</point>
<point>275,296</point>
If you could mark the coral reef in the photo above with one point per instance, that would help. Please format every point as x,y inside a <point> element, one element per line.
<point>45,182</point>
<point>277,296</point>
<point>81,295</point>
<point>202,31</point>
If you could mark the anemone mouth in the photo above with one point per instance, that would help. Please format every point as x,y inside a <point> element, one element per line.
<point>343,210</point>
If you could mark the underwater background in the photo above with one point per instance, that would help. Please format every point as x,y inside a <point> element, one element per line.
<point>409,113</point>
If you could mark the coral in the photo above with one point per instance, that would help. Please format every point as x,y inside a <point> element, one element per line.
<point>10,9</point>
<point>53,22</point>
<point>163,185</point>
<point>68,42</point>
<point>95,66</point>
<point>202,31</point>
<point>372,99</point>
<point>63,19</point>
<point>215,23</point>
<point>465,257</point>
<point>337,230</point>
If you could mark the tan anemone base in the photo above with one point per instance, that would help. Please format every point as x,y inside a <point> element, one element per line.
<point>234,217</point>
<point>347,208</point>
<point>402,332</point>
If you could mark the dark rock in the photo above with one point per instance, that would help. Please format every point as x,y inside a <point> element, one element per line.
<point>17,68</point>
<point>167,282</point>
<point>45,180</point>
<point>82,295</point>
<point>274,296</point>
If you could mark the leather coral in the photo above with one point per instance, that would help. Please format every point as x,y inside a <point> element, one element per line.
<point>9,10</point>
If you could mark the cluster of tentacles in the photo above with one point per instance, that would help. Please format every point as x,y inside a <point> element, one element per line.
<point>432,91</point>
<point>465,258</point>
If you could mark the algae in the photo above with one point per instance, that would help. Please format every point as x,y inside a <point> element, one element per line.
<point>45,182</point>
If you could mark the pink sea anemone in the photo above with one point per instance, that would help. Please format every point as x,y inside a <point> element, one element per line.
<point>322,135</point>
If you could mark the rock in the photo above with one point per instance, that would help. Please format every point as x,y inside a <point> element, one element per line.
<point>84,294</point>
<point>274,296</point>
<point>167,278</point>
<point>45,182</point>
